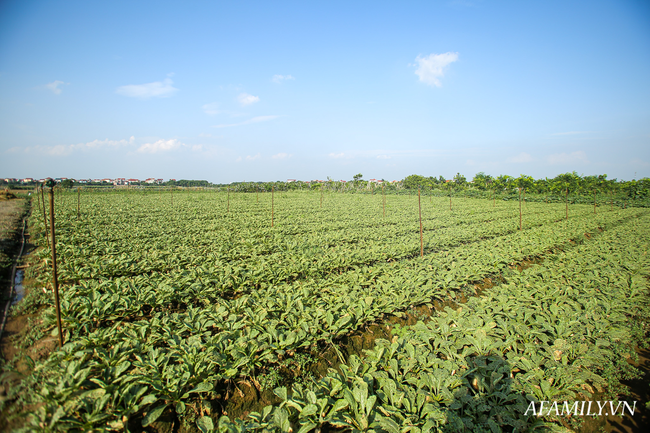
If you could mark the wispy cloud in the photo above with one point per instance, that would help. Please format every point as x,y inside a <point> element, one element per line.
<point>211,108</point>
<point>431,67</point>
<point>337,155</point>
<point>571,133</point>
<point>521,158</point>
<point>383,157</point>
<point>280,78</point>
<point>157,89</point>
<point>247,122</point>
<point>161,146</point>
<point>254,157</point>
<point>54,86</point>
<point>66,149</point>
<point>281,155</point>
<point>245,99</point>
<point>568,158</point>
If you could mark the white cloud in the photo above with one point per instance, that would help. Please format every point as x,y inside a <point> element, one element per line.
<point>246,99</point>
<point>337,155</point>
<point>568,158</point>
<point>197,147</point>
<point>54,86</point>
<point>161,146</point>
<point>281,155</point>
<point>383,157</point>
<point>159,89</point>
<point>431,67</point>
<point>66,149</point>
<point>521,158</point>
<point>279,78</point>
<point>211,108</point>
<point>238,159</point>
<point>249,121</point>
<point>254,157</point>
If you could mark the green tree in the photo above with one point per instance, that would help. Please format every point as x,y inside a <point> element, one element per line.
<point>67,183</point>
<point>415,181</point>
<point>460,180</point>
<point>482,181</point>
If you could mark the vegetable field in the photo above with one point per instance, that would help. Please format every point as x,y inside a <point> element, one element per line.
<point>173,306</point>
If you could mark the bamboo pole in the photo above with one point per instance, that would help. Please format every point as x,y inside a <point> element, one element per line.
<point>566,200</point>
<point>47,234</point>
<point>520,209</point>
<point>421,238</point>
<point>272,204</point>
<point>55,282</point>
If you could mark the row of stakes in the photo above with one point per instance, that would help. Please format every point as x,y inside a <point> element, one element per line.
<point>51,234</point>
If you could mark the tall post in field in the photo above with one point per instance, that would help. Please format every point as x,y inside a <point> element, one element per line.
<point>566,200</point>
<point>78,198</point>
<point>47,234</point>
<point>519,209</point>
<point>421,238</point>
<point>272,204</point>
<point>55,282</point>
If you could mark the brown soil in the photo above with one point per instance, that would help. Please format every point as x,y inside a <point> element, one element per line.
<point>639,391</point>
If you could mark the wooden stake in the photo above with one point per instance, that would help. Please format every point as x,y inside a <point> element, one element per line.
<point>47,234</point>
<point>566,199</point>
<point>519,209</point>
<point>421,238</point>
<point>272,204</point>
<point>55,282</point>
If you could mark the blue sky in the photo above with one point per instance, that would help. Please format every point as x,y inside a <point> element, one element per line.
<point>234,91</point>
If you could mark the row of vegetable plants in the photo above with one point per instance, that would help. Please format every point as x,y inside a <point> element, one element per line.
<point>558,332</point>
<point>149,343</point>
